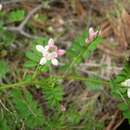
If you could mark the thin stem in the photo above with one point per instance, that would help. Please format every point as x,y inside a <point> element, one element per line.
<point>69,77</point>
<point>122,97</point>
<point>74,61</point>
<point>22,83</point>
<point>81,78</point>
<point>36,71</point>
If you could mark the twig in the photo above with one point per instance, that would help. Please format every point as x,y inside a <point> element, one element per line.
<point>95,65</point>
<point>110,126</point>
<point>20,28</point>
<point>30,14</point>
<point>118,124</point>
<point>16,1</point>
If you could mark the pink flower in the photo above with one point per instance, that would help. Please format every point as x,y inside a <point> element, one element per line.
<point>91,35</point>
<point>50,53</point>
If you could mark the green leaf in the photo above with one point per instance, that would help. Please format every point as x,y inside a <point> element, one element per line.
<point>80,50</point>
<point>41,40</point>
<point>4,125</point>
<point>123,107</point>
<point>126,114</point>
<point>44,68</point>
<point>77,46</point>
<point>27,108</point>
<point>93,83</point>
<point>53,92</point>
<point>73,116</point>
<point>4,69</point>
<point>6,37</point>
<point>17,15</point>
<point>33,56</point>
<point>122,76</point>
<point>30,64</point>
<point>91,48</point>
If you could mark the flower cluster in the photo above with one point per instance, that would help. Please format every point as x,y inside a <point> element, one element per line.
<point>50,53</point>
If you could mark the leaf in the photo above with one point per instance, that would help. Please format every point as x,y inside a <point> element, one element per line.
<point>93,83</point>
<point>41,40</point>
<point>120,92</point>
<point>4,125</point>
<point>33,56</point>
<point>116,82</point>
<point>80,50</point>
<point>77,46</point>
<point>6,37</point>
<point>91,48</point>
<point>30,64</point>
<point>123,107</point>
<point>53,92</point>
<point>4,69</point>
<point>16,16</point>
<point>126,114</point>
<point>44,68</point>
<point>73,116</point>
<point>27,108</point>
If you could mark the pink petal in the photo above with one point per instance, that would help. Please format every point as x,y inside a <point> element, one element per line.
<point>91,35</point>
<point>60,52</point>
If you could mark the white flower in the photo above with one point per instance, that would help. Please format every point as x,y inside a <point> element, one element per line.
<point>1,6</point>
<point>127,84</point>
<point>50,53</point>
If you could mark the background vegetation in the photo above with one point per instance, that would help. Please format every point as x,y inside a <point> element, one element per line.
<point>84,92</point>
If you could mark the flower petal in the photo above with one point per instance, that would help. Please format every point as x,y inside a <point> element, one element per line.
<point>60,52</point>
<point>43,61</point>
<point>54,62</point>
<point>40,48</point>
<point>128,92</point>
<point>91,35</point>
<point>91,30</point>
<point>87,40</point>
<point>51,42</point>
<point>126,83</point>
<point>1,6</point>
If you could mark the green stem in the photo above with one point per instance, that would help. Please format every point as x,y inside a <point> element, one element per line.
<point>36,71</point>
<point>20,84</point>
<point>74,61</point>
<point>81,78</point>
<point>69,77</point>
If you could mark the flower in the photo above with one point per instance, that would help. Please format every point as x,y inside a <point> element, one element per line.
<point>1,6</point>
<point>91,35</point>
<point>63,108</point>
<point>127,84</point>
<point>50,53</point>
